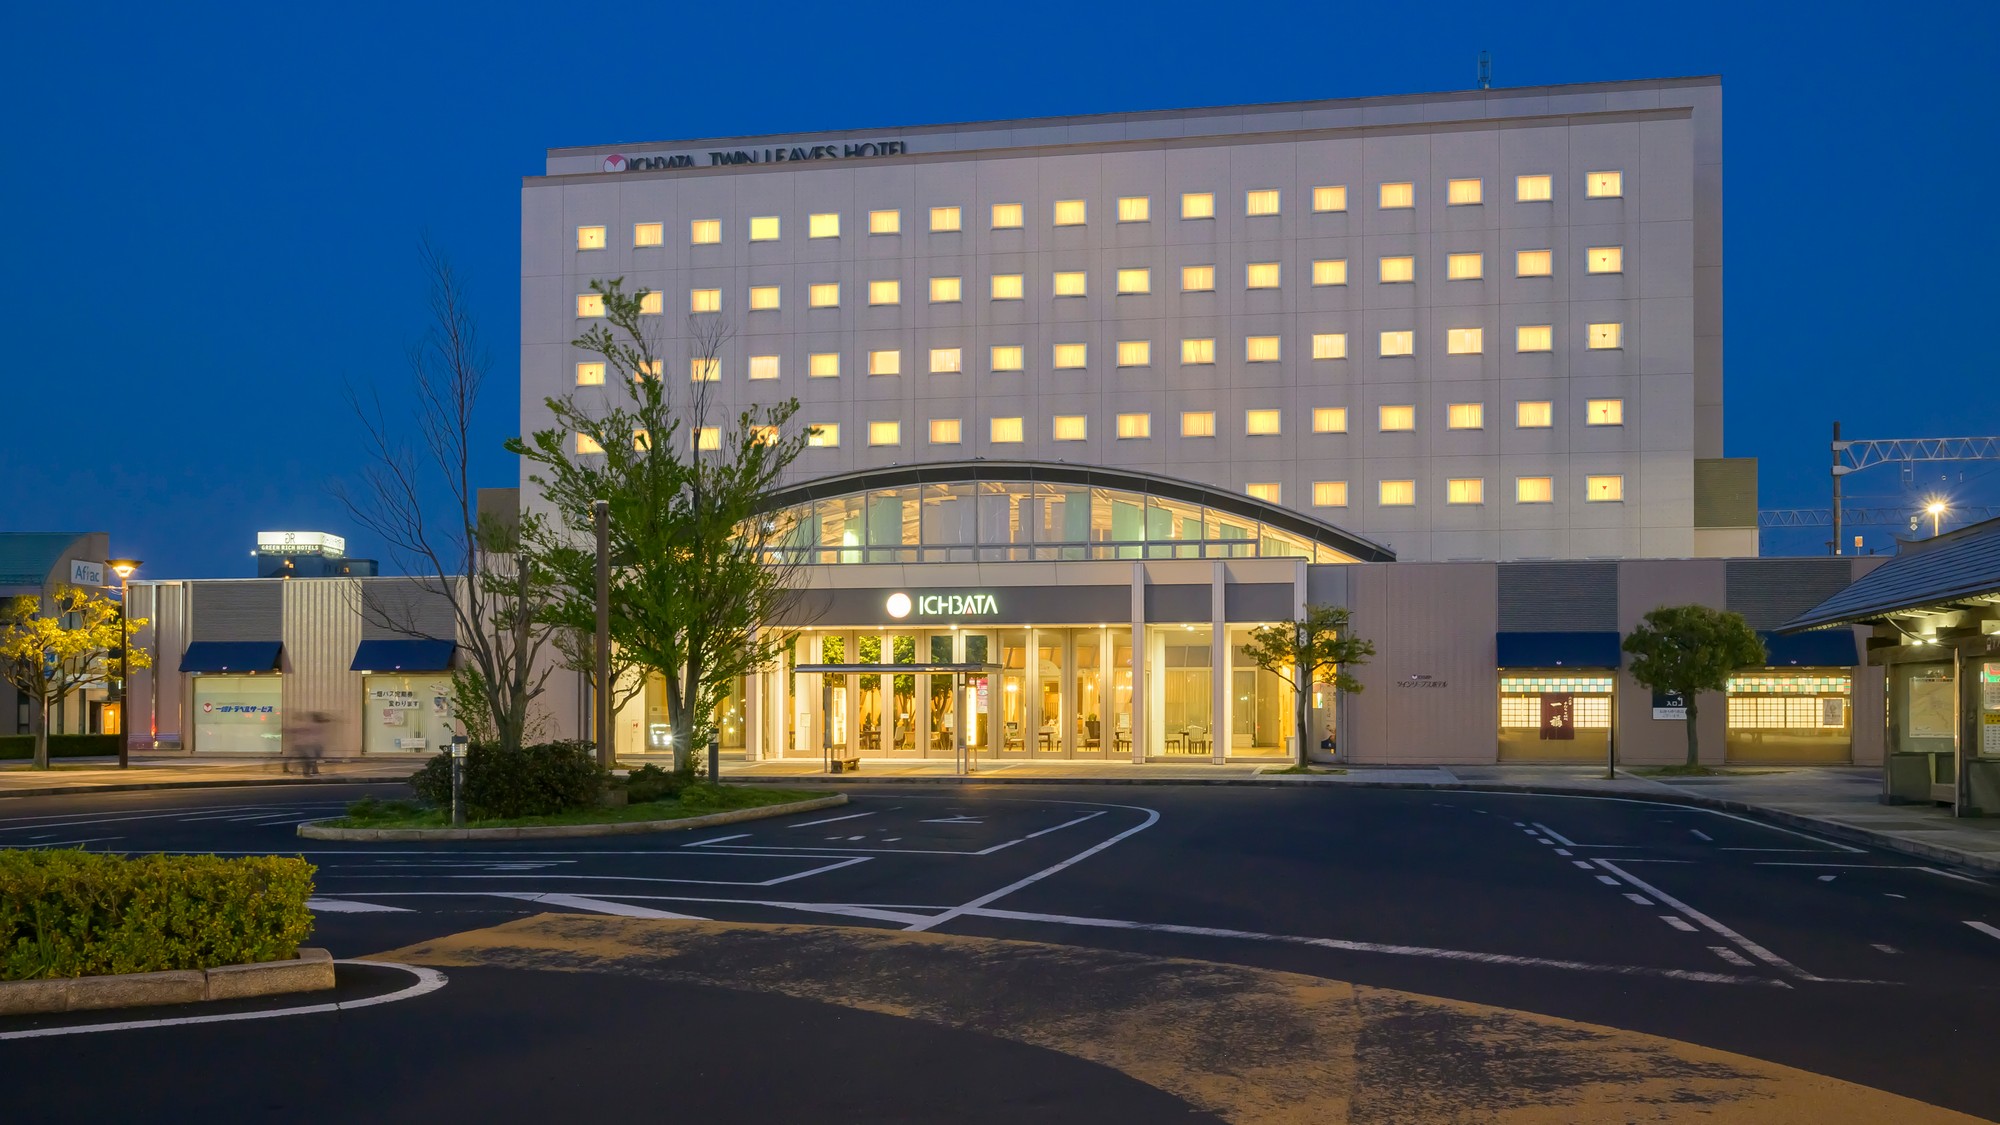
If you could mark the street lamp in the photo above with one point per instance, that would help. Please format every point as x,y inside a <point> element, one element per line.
<point>124,568</point>
<point>1936,510</point>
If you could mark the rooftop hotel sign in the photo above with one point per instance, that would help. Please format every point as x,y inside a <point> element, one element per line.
<point>779,154</point>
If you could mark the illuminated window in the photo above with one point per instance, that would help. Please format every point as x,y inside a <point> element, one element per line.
<point>888,361</point>
<point>1071,427</point>
<point>1007,287</point>
<point>704,369</point>
<point>1396,419</point>
<point>885,222</point>
<point>1397,196</point>
<point>649,367</point>
<point>1533,189</point>
<point>1605,259</point>
<point>1332,198</point>
<point>764,435</point>
<point>590,374</point>
<point>888,292</point>
<point>1460,193</point>
<point>1135,208</point>
<point>885,433</point>
<point>1262,423</point>
<point>823,435</point>
<point>1534,338</point>
<point>1008,357</point>
<point>1604,412</point>
<point>1329,345</point>
<point>1197,279</point>
<point>1396,493</point>
<point>1329,494</point>
<point>589,304</point>
<point>1399,343</point>
<point>704,300</point>
<point>1533,415</point>
<point>1329,419</point>
<point>1465,416</point>
<point>653,234</point>
<point>945,219</point>
<point>1260,349</point>
<point>1464,341</point>
<point>1069,283</point>
<point>1069,212</point>
<point>1607,336</point>
<point>1197,205</point>
<point>1602,489</point>
<point>1464,267</point>
<point>823,225</point>
<point>707,439</point>
<point>945,431</point>
<point>1604,185</point>
<point>1261,202</point>
<point>823,365</point>
<point>590,238</point>
<point>1330,271</point>
<point>1465,490</point>
<point>1267,491</point>
<point>587,444</point>
<point>1533,263</point>
<point>1197,351</point>
<point>945,361</point>
<point>1006,216</point>
<point>1399,269</point>
<point>1534,490</point>
<point>1004,431</point>
<point>652,304</point>
<point>824,295</point>
<point>705,232</point>
<point>1135,426</point>
<point>763,367</point>
<point>1135,353</point>
<point>1260,275</point>
<point>1198,423</point>
<point>763,297</point>
<point>945,289</point>
<point>1135,281</point>
<point>1069,357</point>
<point>764,228</point>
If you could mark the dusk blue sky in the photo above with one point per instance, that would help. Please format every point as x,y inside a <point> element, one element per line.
<point>212,214</point>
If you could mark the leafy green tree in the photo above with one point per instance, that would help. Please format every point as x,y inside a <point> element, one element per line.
<point>699,571</point>
<point>47,655</point>
<point>1319,649</point>
<point>1690,649</point>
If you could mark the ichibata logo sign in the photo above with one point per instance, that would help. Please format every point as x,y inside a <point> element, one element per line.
<point>901,605</point>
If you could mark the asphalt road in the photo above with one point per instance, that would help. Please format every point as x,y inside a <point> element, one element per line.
<point>1700,926</point>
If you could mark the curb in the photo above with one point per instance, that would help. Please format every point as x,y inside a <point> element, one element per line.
<point>310,971</point>
<point>225,783</point>
<point>317,830</point>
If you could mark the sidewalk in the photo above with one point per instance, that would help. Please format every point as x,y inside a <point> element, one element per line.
<point>178,771</point>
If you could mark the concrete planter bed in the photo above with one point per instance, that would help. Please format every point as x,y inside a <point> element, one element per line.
<point>318,830</point>
<point>310,971</point>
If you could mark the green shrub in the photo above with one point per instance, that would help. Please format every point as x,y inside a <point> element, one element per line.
<point>67,913</point>
<point>651,783</point>
<point>15,747</point>
<point>539,780</point>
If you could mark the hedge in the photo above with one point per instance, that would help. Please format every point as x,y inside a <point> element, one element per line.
<point>539,780</point>
<point>70,913</point>
<point>13,746</point>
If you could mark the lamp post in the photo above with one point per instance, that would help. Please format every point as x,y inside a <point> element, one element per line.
<point>1935,509</point>
<point>124,568</point>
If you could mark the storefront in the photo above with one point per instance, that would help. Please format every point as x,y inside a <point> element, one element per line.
<point>238,696</point>
<point>406,694</point>
<point>1556,695</point>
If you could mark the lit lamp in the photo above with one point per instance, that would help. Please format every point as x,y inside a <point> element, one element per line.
<point>1936,510</point>
<point>124,568</point>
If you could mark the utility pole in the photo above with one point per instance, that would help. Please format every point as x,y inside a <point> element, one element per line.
<point>124,568</point>
<point>606,756</point>
<point>1838,471</point>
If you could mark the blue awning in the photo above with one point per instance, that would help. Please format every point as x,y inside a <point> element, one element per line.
<point>411,654</point>
<point>230,656</point>
<point>1821,648</point>
<point>1558,650</point>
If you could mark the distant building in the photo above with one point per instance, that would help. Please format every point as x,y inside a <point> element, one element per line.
<point>34,564</point>
<point>308,554</point>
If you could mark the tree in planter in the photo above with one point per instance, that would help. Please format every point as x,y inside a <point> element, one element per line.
<point>699,572</point>
<point>1316,650</point>
<point>49,655</point>
<point>1690,649</point>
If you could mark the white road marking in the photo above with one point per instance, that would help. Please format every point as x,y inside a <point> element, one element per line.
<point>1886,894</point>
<point>597,905</point>
<point>1770,849</point>
<point>1583,863</point>
<point>1742,942</point>
<point>1932,870</point>
<point>72,843</point>
<point>1828,878</point>
<point>1729,955</point>
<point>1677,922</point>
<point>956,820</point>
<point>1555,835</point>
<point>1983,928</point>
<point>715,840</point>
<point>1550,843</point>
<point>1607,880</point>
<point>828,820</point>
<point>1642,900</point>
<point>1564,851</point>
<point>892,839</point>
<point>1884,948</point>
<point>1064,824</point>
<point>1700,835</point>
<point>428,980</point>
<point>1152,818</point>
<point>349,906</point>
<point>808,873</point>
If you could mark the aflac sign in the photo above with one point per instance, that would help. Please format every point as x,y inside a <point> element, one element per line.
<point>901,605</point>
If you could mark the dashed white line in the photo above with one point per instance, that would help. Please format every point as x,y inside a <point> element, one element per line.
<point>1607,880</point>
<point>1983,928</point>
<point>1700,835</point>
<point>1642,900</point>
<point>1564,851</point>
<point>1742,942</point>
<point>829,820</point>
<point>1729,955</point>
<point>1583,863</point>
<point>1677,923</point>
<point>1554,835</point>
<point>1883,948</point>
<point>1828,878</point>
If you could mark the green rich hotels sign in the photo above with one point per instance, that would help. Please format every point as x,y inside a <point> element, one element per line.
<point>963,604</point>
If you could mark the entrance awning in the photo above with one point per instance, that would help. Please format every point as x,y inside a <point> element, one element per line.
<point>895,669</point>
<point>1821,648</point>
<point>230,656</point>
<point>403,654</point>
<point>1558,650</point>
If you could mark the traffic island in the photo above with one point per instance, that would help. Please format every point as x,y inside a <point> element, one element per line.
<point>655,816</point>
<point>310,971</point>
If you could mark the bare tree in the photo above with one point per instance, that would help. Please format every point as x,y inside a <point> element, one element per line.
<point>453,552</point>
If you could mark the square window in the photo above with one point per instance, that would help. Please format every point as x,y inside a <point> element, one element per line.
<point>1069,212</point>
<point>1267,491</point>
<point>1465,416</point>
<point>704,232</point>
<point>823,365</point>
<point>590,374</point>
<point>1604,412</point>
<point>1264,201</point>
<point>586,444</point>
<point>1197,351</point>
<point>1465,490</point>
<point>1008,357</point>
<point>763,297</point>
<point>1071,427</point>
<point>823,435</point>
<point>1329,494</point>
<point>707,439</point>
<point>885,433</point>
<point>1260,349</point>
<point>1464,267</point>
<point>826,224</point>
<point>1198,423</point>
<point>589,304</point>
<point>885,222</point>
<point>1135,281</point>
<point>1330,198</point>
<point>1396,493</point>
<point>1069,283</point>
<point>704,369</point>
<point>1135,208</point>
<point>1395,197</point>
<point>764,435</point>
<point>888,361</point>
<point>824,295</point>
<point>1534,189</point>
<point>888,292</point>
<point>1462,193</point>
<point>1197,279</point>
<point>1602,489</point>
<point>1464,341</point>
<point>590,238</point>
<point>1533,263</point>
<point>945,219</point>
<point>1135,353</point>
<point>1534,490</point>
<point>642,440</point>
<point>652,304</point>
<point>1260,275</point>
<point>1330,271</point>
<point>1534,338</point>
<point>1605,337</point>
<point>704,300</point>
<point>946,361</point>
<point>945,290</point>
<point>1071,357</point>
<point>1399,343</point>
<point>1197,205</point>
<point>1604,185</point>
<point>1606,259</point>
<point>945,431</point>
<point>1007,286</point>
<point>649,367</point>
<point>1134,426</point>
<point>1004,431</point>
<point>1329,419</point>
<point>1006,216</point>
<point>1534,415</point>
<point>764,228</point>
<point>1262,423</point>
<point>1329,345</point>
<point>1398,270</point>
<point>1397,419</point>
<point>763,367</point>
<point>655,234</point>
